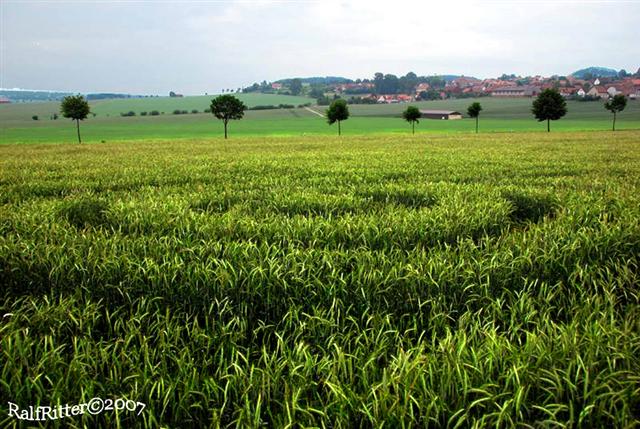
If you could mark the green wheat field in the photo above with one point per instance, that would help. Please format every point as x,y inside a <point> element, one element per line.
<point>396,281</point>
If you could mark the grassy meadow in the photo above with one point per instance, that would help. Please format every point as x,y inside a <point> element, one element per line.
<point>384,280</point>
<point>499,115</point>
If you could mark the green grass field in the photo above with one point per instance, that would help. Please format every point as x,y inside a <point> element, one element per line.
<point>168,105</point>
<point>441,280</point>
<point>21,113</point>
<point>499,115</point>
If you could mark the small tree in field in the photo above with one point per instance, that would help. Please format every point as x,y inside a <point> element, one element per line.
<point>473,111</point>
<point>615,105</point>
<point>226,108</point>
<point>411,115</point>
<point>337,112</point>
<point>76,108</point>
<point>549,106</point>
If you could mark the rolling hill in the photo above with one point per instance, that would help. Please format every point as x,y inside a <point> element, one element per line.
<point>595,72</point>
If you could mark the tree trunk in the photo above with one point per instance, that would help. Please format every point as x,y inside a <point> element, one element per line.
<point>413,127</point>
<point>225,129</point>
<point>339,128</point>
<point>476,125</point>
<point>614,121</point>
<point>78,127</point>
<point>548,126</point>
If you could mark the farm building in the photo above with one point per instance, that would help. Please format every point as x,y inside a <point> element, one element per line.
<point>599,91</point>
<point>440,114</point>
<point>422,87</point>
<point>568,91</point>
<point>4,100</point>
<point>515,91</point>
<point>613,91</point>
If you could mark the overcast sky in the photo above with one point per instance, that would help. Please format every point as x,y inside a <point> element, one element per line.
<point>193,47</point>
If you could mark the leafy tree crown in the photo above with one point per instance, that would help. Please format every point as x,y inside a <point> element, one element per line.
<point>337,111</point>
<point>474,110</point>
<point>74,107</point>
<point>616,104</point>
<point>227,107</point>
<point>549,105</point>
<point>411,114</point>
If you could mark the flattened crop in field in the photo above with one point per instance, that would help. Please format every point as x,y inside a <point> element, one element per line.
<point>449,281</point>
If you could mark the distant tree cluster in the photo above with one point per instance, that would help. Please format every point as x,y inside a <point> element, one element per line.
<point>272,107</point>
<point>361,100</point>
<point>317,87</point>
<point>105,96</point>
<point>316,91</point>
<point>295,87</point>
<point>28,96</point>
<point>430,94</point>
<point>391,84</point>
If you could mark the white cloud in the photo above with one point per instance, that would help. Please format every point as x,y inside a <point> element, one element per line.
<point>202,46</point>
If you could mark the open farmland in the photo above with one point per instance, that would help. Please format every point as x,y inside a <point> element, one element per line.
<point>436,280</point>
<point>499,115</point>
<point>168,104</point>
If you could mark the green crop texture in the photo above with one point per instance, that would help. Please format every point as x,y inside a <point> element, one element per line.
<point>357,282</point>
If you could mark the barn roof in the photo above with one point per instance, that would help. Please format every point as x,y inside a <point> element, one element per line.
<point>517,88</point>
<point>439,112</point>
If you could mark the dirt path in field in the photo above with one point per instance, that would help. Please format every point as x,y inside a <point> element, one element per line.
<point>313,111</point>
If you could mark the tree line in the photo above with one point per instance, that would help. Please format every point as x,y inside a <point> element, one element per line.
<point>548,106</point>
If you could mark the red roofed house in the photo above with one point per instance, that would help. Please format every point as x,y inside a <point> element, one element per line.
<point>567,91</point>
<point>387,99</point>
<point>599,91</point>
<point>463,82</point>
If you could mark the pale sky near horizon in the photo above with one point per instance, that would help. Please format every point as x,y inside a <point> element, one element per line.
<point>193,47</point>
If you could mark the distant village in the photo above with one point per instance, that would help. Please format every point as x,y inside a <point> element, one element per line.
<point>401,90</point>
